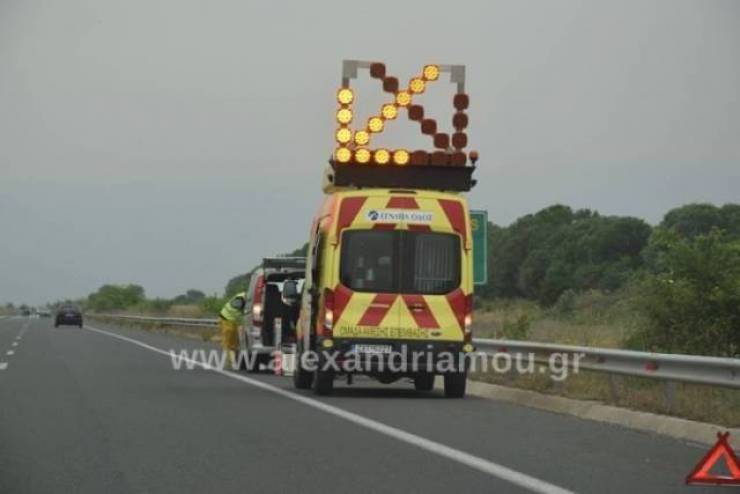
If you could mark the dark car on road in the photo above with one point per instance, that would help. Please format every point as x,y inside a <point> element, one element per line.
<point>68,315</point>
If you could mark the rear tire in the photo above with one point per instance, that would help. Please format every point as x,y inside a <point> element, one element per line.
<point>424,381</point>
<point>323,382</point>
<point>302,379</point>
<point>455,384</point>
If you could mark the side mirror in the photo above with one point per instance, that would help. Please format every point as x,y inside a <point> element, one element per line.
<point>290,293</point>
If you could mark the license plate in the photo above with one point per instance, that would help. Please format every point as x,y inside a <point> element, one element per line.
<point>372,349</point>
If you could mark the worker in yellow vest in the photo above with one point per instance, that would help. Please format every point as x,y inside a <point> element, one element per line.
<point>230,318</point>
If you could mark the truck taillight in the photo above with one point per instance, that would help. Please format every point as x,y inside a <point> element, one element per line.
<point>328,312</point>
<point>468,318</point>
<point>257,314</point>
<point>259,289</point>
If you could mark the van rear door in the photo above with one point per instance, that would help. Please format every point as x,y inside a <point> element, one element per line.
<point>368,284</point>
<point>430,285</point>
<point>401,284</point>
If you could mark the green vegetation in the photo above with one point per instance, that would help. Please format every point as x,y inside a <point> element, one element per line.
<point>237,284</point>
<point>540,256</point>
<point>691,301</point>
<point>115,297</point>
<point>578,277</point>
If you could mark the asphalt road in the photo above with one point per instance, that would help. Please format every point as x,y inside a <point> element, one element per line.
<point>101,409</point>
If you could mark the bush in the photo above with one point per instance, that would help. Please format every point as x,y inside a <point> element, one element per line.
<point>518,329</point>
<point>566,304</point>
<point>116,297</point>
<point>691,300</point>
<point>541,256</point>
<point>213,304</point>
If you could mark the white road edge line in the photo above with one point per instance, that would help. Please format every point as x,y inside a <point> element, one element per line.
<point>3,365</point>
<point>504,473</point>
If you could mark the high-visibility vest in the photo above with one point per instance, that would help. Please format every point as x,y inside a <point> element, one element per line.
<point>230,313</point>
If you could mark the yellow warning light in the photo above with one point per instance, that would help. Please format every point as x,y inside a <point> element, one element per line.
<point>417,85</point>
<point>389,111</point>
<point>362,137</point>
<point>401,157</point>
<point>362,155</point>
<point>345,96</point>
<point>375,124</point>
<point>344,116</point>
<point>431,72</point>
<point>343,155</point>
<point>382,156</point>
<point>344,135</point>
<point>403,98</point>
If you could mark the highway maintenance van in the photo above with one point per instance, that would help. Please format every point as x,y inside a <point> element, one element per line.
<point>270,319</point>
<point>388,284</point>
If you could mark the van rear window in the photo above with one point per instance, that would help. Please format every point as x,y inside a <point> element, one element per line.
<point>399,261</point>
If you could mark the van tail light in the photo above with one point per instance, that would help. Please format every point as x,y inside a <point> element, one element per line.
<point>328,313</point>
<point>259,289</point>
<point>468,336</point>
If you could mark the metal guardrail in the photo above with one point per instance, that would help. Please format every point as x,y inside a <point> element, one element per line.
<point>714,371</point>
<point>163,321</point>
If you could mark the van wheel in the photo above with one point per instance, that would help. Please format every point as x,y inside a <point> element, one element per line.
<point>424,381</point>
<point>323,382</point>
<point>455,384</point>
<point>302,379</point>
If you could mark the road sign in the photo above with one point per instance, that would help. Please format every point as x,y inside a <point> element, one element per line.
<point>479,227</point>
<point>721,450</point>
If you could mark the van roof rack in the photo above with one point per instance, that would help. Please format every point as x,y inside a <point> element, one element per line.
<point>284,263</point>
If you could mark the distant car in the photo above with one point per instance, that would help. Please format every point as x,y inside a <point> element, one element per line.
<point>44,313</point>
<point>68,315</point>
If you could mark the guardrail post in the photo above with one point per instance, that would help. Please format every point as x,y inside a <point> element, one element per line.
<point>614,381</point>
<point>669,394</point>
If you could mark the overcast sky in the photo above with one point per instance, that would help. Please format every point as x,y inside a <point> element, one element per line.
<point>173,143</point>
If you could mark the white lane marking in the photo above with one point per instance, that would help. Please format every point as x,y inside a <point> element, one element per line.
<point>3,365</point>
<point>504,473</point>
<point>10,352</point>
<point>15,343</point>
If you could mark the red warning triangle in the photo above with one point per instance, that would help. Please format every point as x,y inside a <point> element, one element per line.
<point>721,450</point>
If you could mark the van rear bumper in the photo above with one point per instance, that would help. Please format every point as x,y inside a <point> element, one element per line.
<point>406,357</point>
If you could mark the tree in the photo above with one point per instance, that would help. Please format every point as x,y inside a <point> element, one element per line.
<point>237,284</point>
<point>691,300</point>
<point>116,297</point>
<point>540,256</point>
<point>699,219</point>
<point>190,297</point>
<point>299,252</point>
